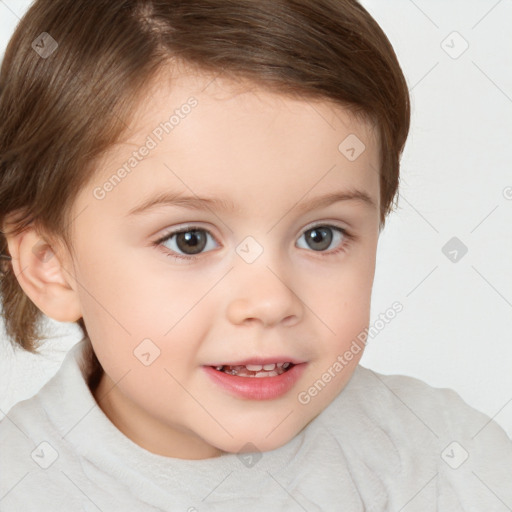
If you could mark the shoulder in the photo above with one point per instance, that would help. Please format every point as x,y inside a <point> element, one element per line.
<point>17,432</point>
<point>412,432</point>
<point>38,464</point>
<point>441,411</point>
<point>28,454</point>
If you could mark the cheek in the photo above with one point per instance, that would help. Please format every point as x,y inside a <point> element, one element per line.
<point>134,293</point>
<point>130,308</point>
<point>344,308</point>
<point>343,304</point>
<point>342,297</point>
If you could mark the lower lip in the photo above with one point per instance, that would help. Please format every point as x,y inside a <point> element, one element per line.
<point>257,388</point>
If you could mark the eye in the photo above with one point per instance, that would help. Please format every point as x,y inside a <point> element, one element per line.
<point>321,237</point>
<point>186,243</point>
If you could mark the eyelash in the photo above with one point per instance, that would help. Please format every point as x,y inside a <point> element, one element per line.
<point>348,239</point>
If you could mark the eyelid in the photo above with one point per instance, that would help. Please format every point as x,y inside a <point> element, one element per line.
<point>176,231</point>
<point>192,227</point>
<point>327,222</point>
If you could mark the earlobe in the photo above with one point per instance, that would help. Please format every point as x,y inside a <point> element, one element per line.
<point>43,277</point>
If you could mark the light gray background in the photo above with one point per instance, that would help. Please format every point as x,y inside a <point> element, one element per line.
<point>455,329</point>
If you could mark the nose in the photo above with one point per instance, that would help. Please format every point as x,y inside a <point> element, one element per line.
<point>265,295</point>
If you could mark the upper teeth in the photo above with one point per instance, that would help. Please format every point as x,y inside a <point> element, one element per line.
<point>259,367</point>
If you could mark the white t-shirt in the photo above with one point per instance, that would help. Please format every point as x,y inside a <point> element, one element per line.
<point>386,443</point>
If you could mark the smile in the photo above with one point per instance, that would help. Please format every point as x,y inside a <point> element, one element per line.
<point>256,370</point>
<point>265,384</point>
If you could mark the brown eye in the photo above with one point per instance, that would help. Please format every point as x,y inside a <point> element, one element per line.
<point>191,242</point>
<point>187,242</point>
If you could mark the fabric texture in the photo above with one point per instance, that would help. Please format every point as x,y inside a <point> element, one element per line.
<point>385,443</point>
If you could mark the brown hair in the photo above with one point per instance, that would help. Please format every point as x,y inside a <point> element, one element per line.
<point>61,110</point>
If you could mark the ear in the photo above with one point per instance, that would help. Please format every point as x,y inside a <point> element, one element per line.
<point>43,277</point>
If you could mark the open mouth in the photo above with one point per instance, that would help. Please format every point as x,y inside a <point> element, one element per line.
<point>266,381</point>
<point>256,370</point>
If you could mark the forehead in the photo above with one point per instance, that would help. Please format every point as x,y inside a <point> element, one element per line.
<point>216,136</point>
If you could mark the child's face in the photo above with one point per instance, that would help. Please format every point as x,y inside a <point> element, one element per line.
<point>263,284</point>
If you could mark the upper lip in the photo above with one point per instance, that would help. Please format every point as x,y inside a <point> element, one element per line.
<point>260,360</point>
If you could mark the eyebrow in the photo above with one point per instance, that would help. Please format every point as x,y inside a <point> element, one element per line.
<point>216,203</point>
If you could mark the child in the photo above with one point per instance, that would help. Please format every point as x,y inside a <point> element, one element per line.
<point>201,186</point>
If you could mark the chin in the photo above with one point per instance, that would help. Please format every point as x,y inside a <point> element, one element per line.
<point>256,440</point>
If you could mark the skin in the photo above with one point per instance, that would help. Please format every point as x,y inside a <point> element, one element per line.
<point>269,154</point>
